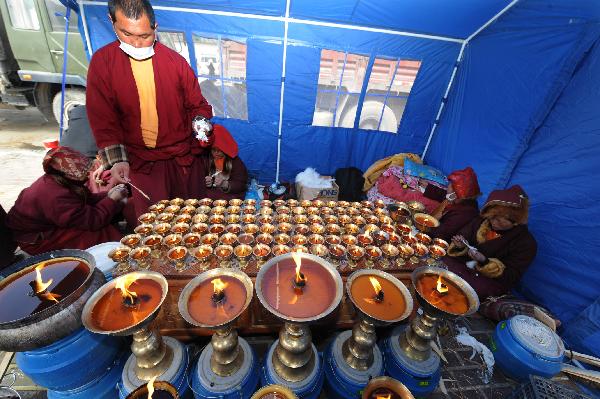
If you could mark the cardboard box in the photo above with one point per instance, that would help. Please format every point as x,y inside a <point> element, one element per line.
<point>324,194</point>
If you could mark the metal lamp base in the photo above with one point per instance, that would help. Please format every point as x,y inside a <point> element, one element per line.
<point>175,373</point>
<point>343,381</point>
<point>307,388</point>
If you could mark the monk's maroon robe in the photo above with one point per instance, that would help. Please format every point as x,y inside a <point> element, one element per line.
<point>48,216</point>
<point>454,218</point>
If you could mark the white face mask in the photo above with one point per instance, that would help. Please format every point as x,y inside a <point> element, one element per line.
<point>138,53</point>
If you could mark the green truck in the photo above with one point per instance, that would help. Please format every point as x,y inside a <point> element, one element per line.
<point>32,34</point>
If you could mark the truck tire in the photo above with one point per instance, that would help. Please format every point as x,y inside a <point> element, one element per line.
<point>369,117</point>
<point>73,96</point>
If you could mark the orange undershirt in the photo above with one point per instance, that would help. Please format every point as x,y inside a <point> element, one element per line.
<point>143,73</point>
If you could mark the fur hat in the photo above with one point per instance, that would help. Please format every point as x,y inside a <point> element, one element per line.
<point>464,183</point>
<point>512,203</point>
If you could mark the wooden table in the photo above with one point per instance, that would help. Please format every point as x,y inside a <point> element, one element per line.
<point>255,320</point>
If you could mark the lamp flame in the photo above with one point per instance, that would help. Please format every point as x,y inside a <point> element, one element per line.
<point>150,387</point>
<point>388,396</point>
<point>218,286</point>
<point>300,279</point>
<point>378,297</point>
<point>441,287</point>
<point>123,284</point>
<point>40,287</point>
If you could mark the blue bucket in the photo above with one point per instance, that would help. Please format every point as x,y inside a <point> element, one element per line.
<point>241,385</point>
<point>310,388</point>
<point>104,387</point>
<point>71,362</point>
<point>523,346</point>
<point>421,378</point>
<point>342,381</point>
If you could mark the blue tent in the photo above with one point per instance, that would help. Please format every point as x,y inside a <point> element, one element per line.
<point>508,87</point>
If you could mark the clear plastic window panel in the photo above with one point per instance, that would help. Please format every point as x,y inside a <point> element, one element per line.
<point>221,65</point>
<point>56,14</point>
<point>23,14</point>
<point>341,77</point>
<point>175,41</point>
<point>387,94</point>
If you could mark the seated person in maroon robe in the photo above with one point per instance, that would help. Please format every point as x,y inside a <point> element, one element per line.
<point>502,247</point>
<point>460,206</point>
<point>58,211</point>
<point>228,177</point>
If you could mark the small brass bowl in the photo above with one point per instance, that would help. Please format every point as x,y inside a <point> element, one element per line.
<point>441,243</point>
<point>218,210</point>
<point>315,239</point>
<point>250,202</point>
<point>177,202</point>
<point>233,209</point>
<point>282,238</point>
<point>409,239</point>
<point>379,203</point>
<point>279,202</point>
<point>332,239</point>
<point>235,202</point>
<point>390,251</point>
<point>202,253</point>
<point>261,251</point>
<point>415,206</point>
<point>326,211</point>
<point>406,251</point>
<point>219,203</point>
<point>319,250</point>
<point>141,256</point>
<point>352,211</point>
<point>266,203</point>
<point>340,210</point>
<point>364,239</point>
<point>283,210</point>
<point>349,239</point>
<point>371,228</point>
<point>191,240</point>
<point>172,240</point>
<point>315,219</point>
<point>298,210</point>
<point>216,219</point>
<point>301,229</point>
<point>316,228</point>
<point>249,210</point>
<point>332,204</point>
<point>300,248</point>
<point>372,252</point>
<point>234,228</point>
<point>191,202</point>
<point>384,219</point>
<point>292,202</point>
<point>344,219</point>
<point>268,228</point>
<point>147,218</point>
<point>248,218</point>
<point>203,210</point>
<point>305,203</point>
<point>181,228</point>
<point>372,219</point>
<point>183,219</point>
<point>380,237</point>
<point>210,239</point>
<point>251,228</point>
<point>154,242</point>
<point>187,210</point>
<point>199,228</point>
<point>318,203</point>
<point>359,220</point>
<point>395,238</point>
<point>299,239</point>
<point>265,219</point>
<point>228,239</point>
<point>177,254</point>
<point>436,252</point>
<point>388,228</point>
<point>337,251</point>
<point>245,239</point>
<point>366,211</point>
<point>162,228</point>
<point>403,229</point>
<point>423,238</point>
<point>216,228</point>
<point>330,219</point>
<point>164,217</point>
<point>205,202</point>
<point>143,229</point>
<point>264,238</point>
<point>120,255</point>
<point>420,250</point>
<point>355,252</point>
<point>312,210</point>
<point>425,222</point>
<point>242,252</point>
<point>283,218</point>
<point>232,219</point>
<point>164,202</point>
<point>345,204</point>
<point>156,208</point>
<point>265,211</point>
<point>333,228</point>
<point>131,240</point>
<point>280,249</point>
<point>224,252</point>
<point>172,209</point>
<point>284,227</point>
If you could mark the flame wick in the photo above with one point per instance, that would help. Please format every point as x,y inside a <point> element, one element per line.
<point>150,386</point>
<point>388,396</point>
<point>300,280</point>
<point>40,287</point>
<point>441,287</point>
<point>123,284</point>
<point>218,290</point>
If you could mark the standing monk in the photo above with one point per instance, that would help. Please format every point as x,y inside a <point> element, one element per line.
<point>142,99</point>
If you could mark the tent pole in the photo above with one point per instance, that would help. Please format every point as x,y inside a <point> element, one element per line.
<point>455,70</point>
<point>283,66</point>
<point>85,28</point>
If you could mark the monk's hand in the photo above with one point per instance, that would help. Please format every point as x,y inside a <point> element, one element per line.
<point>120,171</point>
<point>221,181</point>
<point>118,192</point>
<point>458,241</point>
<point>477,256</point>
<point>491,269</point>
<point>97,175</point>
<point>208,181</point>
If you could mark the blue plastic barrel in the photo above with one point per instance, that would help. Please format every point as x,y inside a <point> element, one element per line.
<point>420,377</point>
<point>523,346</point>
<point>72,362</point>
<point>240,385</point>
<point>309,388</point>
<point>342,381</point>
<point>104,387</point>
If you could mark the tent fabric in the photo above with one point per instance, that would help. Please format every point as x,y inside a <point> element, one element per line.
<point>522,108</point>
